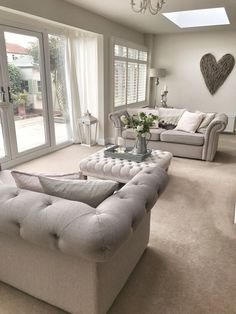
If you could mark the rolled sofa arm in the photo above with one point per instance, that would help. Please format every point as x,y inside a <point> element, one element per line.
<point>217,125</point>
<point>75,228</point>
<point>114,117</point>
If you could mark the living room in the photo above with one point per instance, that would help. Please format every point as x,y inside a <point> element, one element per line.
<point>189,264</point>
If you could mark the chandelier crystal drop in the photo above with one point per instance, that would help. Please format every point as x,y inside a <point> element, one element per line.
<point>141,6</point>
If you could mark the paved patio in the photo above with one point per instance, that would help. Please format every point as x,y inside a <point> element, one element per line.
<point>31,133</point>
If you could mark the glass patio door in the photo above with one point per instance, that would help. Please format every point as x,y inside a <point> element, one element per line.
<point>23,92</point>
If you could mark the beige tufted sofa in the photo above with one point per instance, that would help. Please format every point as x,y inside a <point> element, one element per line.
<point>72,255</point>
<point>179,143</point>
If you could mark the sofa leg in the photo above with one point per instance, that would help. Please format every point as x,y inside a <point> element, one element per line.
<point>84,177</point>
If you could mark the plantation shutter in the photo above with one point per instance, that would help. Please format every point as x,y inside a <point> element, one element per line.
<point>120,83</point>
<point>129,75</point>
<point>142,79</point>
<point>132,82</point>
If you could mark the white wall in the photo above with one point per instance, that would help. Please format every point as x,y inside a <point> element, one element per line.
<point>180,54</point>
<point>69,14</point>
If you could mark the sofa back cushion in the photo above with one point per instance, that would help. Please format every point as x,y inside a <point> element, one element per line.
<point>30,181</point>
<point>170,115</point>
<point>208,117</point>
<point>89,192</point>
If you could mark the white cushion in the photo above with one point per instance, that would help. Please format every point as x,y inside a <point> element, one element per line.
<point>89,192</point>
<point>30,181</point>
<point>189,122</point>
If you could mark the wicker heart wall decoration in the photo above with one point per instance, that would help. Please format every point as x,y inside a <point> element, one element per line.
<point>215,73</point>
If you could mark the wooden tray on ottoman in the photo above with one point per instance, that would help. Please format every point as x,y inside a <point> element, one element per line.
<point>127,153</point>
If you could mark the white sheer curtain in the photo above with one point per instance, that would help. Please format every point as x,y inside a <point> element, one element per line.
<point>82,75</point>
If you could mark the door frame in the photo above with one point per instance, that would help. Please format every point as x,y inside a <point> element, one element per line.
<point>11,143</point>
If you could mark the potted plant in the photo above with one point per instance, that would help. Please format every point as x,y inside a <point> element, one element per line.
<point>20,100</point>
<point>141,124</point>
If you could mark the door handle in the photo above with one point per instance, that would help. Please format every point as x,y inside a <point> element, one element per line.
<point>9,94</point>
<point>3,97</point>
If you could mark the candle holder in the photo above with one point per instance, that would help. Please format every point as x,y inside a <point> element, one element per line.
<point>164,99</point>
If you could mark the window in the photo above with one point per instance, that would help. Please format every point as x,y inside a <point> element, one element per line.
<point>129,74</point>
<point>25,85</point>
<point>57,47</point>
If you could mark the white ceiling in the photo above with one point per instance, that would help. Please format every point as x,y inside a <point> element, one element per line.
<point>121,12</point>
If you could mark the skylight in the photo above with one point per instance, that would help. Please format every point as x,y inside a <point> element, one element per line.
<point>198,18</point>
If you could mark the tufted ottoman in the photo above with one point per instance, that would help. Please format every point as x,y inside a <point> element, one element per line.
<point>121,170</point>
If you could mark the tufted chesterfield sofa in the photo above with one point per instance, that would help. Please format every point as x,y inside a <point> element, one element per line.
<point>179,143</point>
<point>69,254</point>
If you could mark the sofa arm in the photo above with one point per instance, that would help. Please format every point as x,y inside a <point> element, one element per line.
<point>75,228</point>
<point>217,125</point>
<point>114,117</point>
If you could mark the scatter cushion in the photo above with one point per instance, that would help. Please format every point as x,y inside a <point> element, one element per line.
<point>166,126</point>
<point>30,181</point>
<point>189,122</point>
<point>170,115</point>
<point>208,117</point>
<point>90,192</point>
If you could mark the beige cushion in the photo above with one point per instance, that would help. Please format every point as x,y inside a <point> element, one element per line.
<point>146,110</point>
<point>208,117</point>
<point>170,115</point>
<point>189,122</point>
<point>129,134</point>
<point>155,134</point>
<point>89,192</point>
<point>30,181</point>
<point>173,136</point>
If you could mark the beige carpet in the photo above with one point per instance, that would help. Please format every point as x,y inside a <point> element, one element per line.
<point>190,264</point>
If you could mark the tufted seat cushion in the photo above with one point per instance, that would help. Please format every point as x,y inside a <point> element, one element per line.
<point>75,228</point>
<point>155,134</point>
<point>173,136</point>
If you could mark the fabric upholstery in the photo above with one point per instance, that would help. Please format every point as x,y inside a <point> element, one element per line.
<point>189,122</point>
<point>128,133</point>
<point>91,192</point>
<point>208,117</point>
<point>73,284</point>
<point>173,136</point>
<point>75,228</point>
<point>217,125</point>
<point>30,181</point>
<point>170,115</point>
<point>205,152</point>
<point>7,178</point>
<point>121,170</point>
<point>176,149</point>
<point>155,134</point>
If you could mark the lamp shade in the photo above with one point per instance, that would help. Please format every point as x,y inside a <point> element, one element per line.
<point>153,72</point>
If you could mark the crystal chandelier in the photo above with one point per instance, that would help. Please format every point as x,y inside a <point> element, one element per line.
<point>153,6</point>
